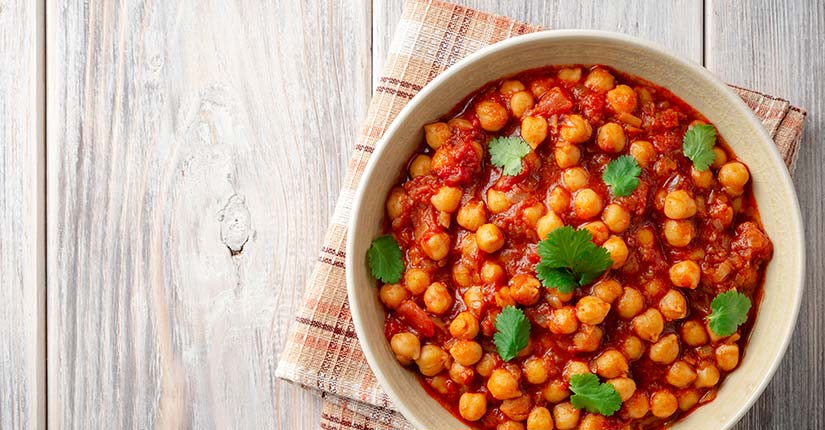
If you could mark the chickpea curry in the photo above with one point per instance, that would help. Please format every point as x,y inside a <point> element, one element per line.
<point>571,248</point>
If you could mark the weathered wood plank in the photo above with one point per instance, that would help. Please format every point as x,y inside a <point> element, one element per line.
<point>22,270</point>
<point>676,25</point>
<point>778,48</point>
<point>195,153</point>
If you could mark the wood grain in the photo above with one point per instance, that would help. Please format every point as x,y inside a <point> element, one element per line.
<point>778,48</point>
<point>656,21</point>
<point>195,152</point>
<point>22,273</point>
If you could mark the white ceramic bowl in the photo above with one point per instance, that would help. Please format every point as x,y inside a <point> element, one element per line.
<point>695,85</point>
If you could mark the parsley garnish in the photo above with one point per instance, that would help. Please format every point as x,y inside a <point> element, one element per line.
<point>698,146</point>
<point>507,152</point>
<point>569,259</point>
<point>589,394</point>
<point>622,175</point>
<point>385,260</point>
<point>729,311</point>
<point>512,332</point>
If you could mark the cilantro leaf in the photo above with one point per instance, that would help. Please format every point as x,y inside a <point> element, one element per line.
<point>729,310</point>
<point>507,152</point>
<point>512,332</point>
<point>698,145</point>
<point>589,394</point>
<point>622,175</point>
<point>569,259</point>
<point>385,260</point>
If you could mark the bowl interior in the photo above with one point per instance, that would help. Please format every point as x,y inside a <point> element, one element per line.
<point>772,187</point>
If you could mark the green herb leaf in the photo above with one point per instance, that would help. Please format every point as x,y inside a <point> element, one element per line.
<point>507,152</point>
<point>385,259</point>
<point>597,398</point>
<point>569,259</point>
<point>698,146</point>
<point>622,175</point>
<point>729,310</point>
<point>512,332</point>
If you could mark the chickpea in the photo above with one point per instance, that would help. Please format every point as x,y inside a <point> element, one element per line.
<point>460,124</point>
<point>555,391</point>
<point>637,406</point>
<point>734,175</point>
<point>622,99</point>
<point>555,298</point>
<point>460,374</point>
<point>679,204</point>
<point>432,360</point>
<point>701,179</point>
<point>575,178</point>
<point>685,274</point>
<point>472,406</point>
<point>462,275</point>
<point>565,416</point>
<point>633,348</point>
<point>472,215</point>
<point>720,159</point>
<point>489,238</point>
<point>491,115</point>
<point>406,346</point>
<point>648,325</point>
<point>546,224</point>
<point>616,218</point>
<point>396,202</point>
<point>436,245</point>
<point>437,134</point>
<point>688,399</point>
<point>444,219</point>
<point>611,137</point>
<point>540,419</point>
<point>592,310</point>
<point>673,305</point>
<point>420,166</point>
<point>510,87</point>
<point>611,364</point>
<point>437,298</point>
<point>525,289</point>
<point>558,200</point>
<point>474,299</point>
<point>707,376</point>
<point>569,75</point>
<point>665,350</point>
<point>588,338</point>
<point>392,295</point>
<point>694,334</point>
<point>535,370</point>
<point>446,199</point>
<point>679,233</point>
<point>600,81</point>
<point>567,155</point>
<point>533,130</point>
<point>532,213</point>
<point>563,320</point>
<point>497,201</point>
<point>521,102</point>
<point>503,385</point>
<point>575,129</point>
<point>486,365</point>
<point>575,368</point>
<point>587,204</point>
<point>645,237</point>
<point>598,231</point>
<point>491,272</point>
<point>464,326</point>
<point>440,383</point>
<point>593,422</point>
<point>680,374</point>
<point>643,152</point>
<point>631,302</point>
<point>625,386</point>
<point>663,404</point>
<point>617,249</point>
<point>416,280</point>
<point>727,357</point>
<point>517,409</point>
<point>608,290</point>
<point>510,425</point>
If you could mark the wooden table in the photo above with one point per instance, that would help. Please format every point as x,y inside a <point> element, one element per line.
<point>164,193</point>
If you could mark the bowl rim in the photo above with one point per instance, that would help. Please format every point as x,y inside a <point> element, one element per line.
<point>382,146</point>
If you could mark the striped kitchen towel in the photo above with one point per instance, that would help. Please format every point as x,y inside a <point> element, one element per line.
<point>322,351</point>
